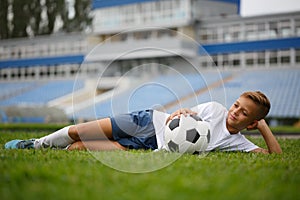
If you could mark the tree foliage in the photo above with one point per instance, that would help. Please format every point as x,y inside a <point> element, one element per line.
<point>4,31</point>
<point>23,18</point>
<point>81,20</point>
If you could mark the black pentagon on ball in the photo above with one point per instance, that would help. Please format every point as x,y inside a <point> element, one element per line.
<point>192,135</point>
<point>174,123</point>
<point>173,146</point>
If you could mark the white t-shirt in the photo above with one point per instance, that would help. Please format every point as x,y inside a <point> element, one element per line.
<point>215,114</point>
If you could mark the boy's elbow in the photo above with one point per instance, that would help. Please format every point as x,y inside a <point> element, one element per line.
<point>260,150</point>
<point>265,151</point>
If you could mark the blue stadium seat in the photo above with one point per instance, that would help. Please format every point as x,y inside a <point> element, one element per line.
<point>282,86</point>
<point>160,91</point>
<point>9,89</point>
<point>42,92</point>
<point>279,84</point>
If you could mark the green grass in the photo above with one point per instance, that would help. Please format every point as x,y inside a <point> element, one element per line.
<point>59,174</point>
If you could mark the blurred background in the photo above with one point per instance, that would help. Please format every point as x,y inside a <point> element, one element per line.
<point>66,60</point>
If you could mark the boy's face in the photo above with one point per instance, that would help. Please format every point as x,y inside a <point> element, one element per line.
<point>241,114</point>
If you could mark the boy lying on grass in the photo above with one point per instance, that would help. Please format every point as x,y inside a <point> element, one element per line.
<point>145,129</point>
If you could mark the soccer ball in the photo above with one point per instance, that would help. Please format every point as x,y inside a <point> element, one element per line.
<point>187,134</point>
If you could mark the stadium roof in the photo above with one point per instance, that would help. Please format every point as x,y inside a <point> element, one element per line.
<point>110,3</point>
<point>258,45</point>
<point>72,59</point>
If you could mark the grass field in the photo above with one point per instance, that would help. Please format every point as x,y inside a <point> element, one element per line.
<point>59,174</point>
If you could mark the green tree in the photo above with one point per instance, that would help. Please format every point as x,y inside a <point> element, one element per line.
<point>81,19</point>
<point>4,31</point>
<point>54,8</point>
<point>35,9</point>
<point>27,17</point>
<point>21,18</point>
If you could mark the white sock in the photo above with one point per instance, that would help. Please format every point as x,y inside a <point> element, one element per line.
<point>59,139</point>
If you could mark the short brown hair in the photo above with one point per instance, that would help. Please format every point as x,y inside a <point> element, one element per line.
<point>261,100</point>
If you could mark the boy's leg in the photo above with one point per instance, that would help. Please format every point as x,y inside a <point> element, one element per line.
<point>96,145</point>
<point>94,130</point>
<point>58,139</point>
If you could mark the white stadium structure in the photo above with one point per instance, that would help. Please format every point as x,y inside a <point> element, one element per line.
<point>124,64</point>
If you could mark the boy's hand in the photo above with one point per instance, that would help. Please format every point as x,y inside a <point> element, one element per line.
<point>182,111</point>
<point>257,125</point>
<point>261,123</point>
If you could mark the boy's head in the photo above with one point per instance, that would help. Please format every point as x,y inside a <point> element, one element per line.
<point>261,101</point>
<point>247,110</point>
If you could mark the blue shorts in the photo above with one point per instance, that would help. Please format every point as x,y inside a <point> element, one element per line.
<point>135,130</point>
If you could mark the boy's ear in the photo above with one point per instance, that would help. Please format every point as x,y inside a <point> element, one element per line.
<point>253,125</point>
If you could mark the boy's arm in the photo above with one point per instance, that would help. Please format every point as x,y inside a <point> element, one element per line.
<point>273,145</point>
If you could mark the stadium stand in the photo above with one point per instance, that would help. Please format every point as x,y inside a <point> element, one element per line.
<point>155,93</point>
<point>9,89</point>
<point>280,85</point>
<point>167,92</point>
<point>40,94</point>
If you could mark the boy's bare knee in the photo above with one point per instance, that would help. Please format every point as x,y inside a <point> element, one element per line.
<point>77,146</point>
<point>73,133</point>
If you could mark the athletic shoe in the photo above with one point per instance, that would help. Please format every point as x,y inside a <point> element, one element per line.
<point>20,144</point>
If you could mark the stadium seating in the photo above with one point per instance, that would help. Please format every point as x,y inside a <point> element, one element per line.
<point>13,88</point>
<point>38,92</point>
<point>280,85</point>
<point>158,92</point>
